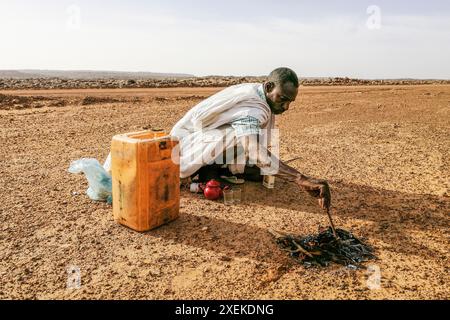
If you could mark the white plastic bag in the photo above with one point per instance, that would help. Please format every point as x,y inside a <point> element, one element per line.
<point>100,185</point>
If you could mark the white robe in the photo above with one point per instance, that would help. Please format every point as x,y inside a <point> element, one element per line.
<point>205,131</point>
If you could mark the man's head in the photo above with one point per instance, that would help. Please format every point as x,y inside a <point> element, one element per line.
<point>281,89</point>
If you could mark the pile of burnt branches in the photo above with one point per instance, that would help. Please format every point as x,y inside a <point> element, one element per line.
<point>324,248</point>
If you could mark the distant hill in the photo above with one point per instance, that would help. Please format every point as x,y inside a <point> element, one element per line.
<point>47,79</point>
<point>88,74</point>
<point>15,74</point>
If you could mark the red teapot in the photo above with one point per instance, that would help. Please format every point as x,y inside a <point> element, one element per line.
<point>213,190</point>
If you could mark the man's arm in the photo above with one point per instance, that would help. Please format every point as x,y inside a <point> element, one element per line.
<point>315,187</point>
<point>263,158</point>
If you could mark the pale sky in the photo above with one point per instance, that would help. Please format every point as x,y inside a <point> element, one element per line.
<point>364,39</point>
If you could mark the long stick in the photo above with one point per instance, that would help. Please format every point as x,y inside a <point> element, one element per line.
<point>300,248</point>
<point>278,234</point>
<point>332,224</point>
<point>328,209</point>
<point>291,160</point>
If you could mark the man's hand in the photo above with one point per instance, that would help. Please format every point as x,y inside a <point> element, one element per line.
<point>316,188</point>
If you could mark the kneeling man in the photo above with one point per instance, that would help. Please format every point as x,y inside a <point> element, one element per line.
<point>232,132</point>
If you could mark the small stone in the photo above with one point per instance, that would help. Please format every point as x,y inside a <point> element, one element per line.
<point>207,269</point>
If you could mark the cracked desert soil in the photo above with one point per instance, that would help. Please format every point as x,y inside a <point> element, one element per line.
<point>384,149</point>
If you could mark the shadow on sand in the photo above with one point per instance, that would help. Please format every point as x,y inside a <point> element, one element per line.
<point>393,218</point>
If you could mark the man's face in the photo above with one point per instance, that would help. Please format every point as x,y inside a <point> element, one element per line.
<point>279,97</point>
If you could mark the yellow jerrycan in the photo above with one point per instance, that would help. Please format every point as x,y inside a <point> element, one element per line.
<point>145,179</point>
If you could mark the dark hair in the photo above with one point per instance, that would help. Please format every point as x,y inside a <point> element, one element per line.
<point>281,76</point>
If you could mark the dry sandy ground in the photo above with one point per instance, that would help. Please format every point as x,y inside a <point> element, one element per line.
<point>385,151</point>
